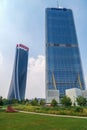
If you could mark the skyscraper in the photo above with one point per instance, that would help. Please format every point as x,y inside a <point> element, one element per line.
<point>63,64</point>
<point>19,76</point>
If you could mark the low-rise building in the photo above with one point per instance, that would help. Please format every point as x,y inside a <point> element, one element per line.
<point>73,93</point>
<point>52,94</point>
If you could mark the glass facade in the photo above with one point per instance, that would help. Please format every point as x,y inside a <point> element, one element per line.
<point>18,82</point>
<point>63,64</point>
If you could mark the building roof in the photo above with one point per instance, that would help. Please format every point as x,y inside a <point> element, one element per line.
<point>22,46</point>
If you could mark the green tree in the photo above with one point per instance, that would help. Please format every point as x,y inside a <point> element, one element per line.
<point>81,101</point>
<point>23,102</point>
<point>42,102</point>
<point>54,103</point>
<point>34,102</point>
<point>1,101</point>
<point>66,101</point>
<point>14,101</point>
<point>5,101</point>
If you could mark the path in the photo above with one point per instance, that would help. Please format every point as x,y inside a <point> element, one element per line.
<point>43,114</point>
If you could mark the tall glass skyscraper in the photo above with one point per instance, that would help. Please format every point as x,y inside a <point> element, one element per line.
<point>19,76</point>
<point>63,64</point>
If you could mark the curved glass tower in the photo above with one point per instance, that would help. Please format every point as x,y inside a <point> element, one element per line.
<point>63,64</point>
<point>19,76</point>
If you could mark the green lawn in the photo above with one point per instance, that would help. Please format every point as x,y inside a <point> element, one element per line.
<point>21,121</point>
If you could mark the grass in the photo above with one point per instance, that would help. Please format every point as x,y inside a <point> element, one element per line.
<point>22,121</point>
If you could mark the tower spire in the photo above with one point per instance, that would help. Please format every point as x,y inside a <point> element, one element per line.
<point>57,3</point>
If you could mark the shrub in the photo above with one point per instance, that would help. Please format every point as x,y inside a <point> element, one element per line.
<point>42,102</point>
<point>81,101</point>
<point>1,101</point>
<point>78,109</point>
<point>34,102</point>
<point>54,103</point>
<point>66,101</point>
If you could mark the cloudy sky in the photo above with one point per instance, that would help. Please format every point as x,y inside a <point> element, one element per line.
<point>23,21</point>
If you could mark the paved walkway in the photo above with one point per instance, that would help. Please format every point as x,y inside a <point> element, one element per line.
<point>43,114</point>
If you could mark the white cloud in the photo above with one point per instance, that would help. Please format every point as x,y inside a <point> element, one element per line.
<point>36,78</point>
<point>38,64</point>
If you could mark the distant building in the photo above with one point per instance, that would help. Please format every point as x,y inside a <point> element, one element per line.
<point>52,94</point>
<point>73,93</point>
<point>84,94</point>
<point>19,75</point>
<point>63,64</point>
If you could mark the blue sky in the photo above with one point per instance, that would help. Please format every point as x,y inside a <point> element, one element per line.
<point>23,21</point>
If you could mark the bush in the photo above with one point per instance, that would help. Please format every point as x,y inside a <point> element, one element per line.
<point>54,103</point>
<point>66,101</point>
<point>42,102</point>
<point>78,109</point>
<point>34,102</point>
<point>1,101</point>
<point>81,101</point>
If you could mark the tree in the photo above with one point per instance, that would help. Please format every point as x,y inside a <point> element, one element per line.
<point>42,102</point>
<point>1,101</point>
<point>34,102</point>
<point>5,101</point>
<point>66,101</point>
<point>23,101</point>
<point>14,101</point>
<point>54,103</point>
<point>81,101</point>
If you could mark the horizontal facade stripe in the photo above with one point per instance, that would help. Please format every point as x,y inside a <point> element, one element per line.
<point>61,45</point>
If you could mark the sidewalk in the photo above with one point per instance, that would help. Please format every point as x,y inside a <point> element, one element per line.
<point>43,114</point>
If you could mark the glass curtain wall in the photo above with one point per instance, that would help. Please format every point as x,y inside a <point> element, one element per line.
<point>62,52</point>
